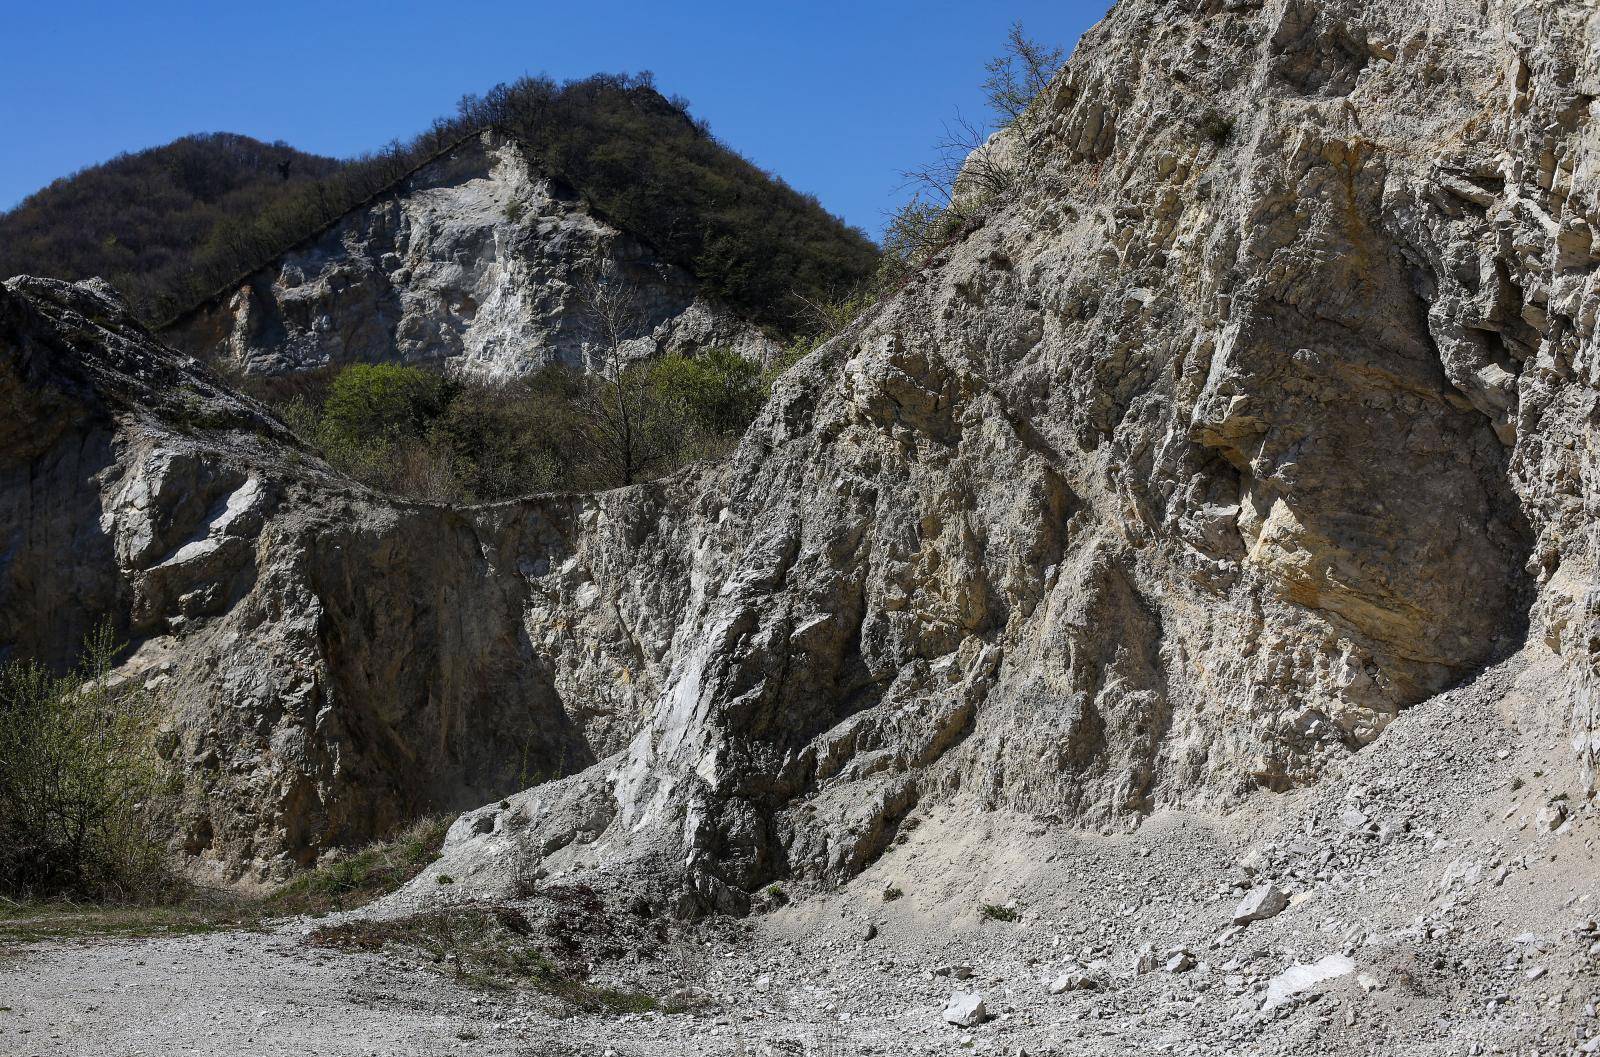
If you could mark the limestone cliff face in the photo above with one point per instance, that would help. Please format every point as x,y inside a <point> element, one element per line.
<point>1260,411</point>
<point>474,262</point>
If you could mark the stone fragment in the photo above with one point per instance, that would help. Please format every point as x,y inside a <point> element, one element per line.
<point>1073,980</point>
<point>965,1010</point>
<point>1302,977</point>
<point>1261,902</point>
<point>1551,816</point>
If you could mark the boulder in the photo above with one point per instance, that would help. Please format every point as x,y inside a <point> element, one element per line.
<point>965,1010</point>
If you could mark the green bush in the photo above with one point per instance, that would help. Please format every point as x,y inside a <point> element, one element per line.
<point>383,403</point>
<point>414,433</point>
<point>81,786</point>
<point>714,394</point>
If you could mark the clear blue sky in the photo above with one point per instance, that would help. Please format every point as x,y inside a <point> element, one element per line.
<point>835,97</point>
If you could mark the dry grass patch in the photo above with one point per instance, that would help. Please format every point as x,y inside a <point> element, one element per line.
<point>485,946</point>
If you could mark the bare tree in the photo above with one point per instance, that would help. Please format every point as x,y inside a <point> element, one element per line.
<point>968,162</point>
<point>615,397</point>
<point>1017,79</point>
<point>971,165</point>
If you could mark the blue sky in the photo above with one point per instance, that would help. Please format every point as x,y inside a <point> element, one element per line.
<point>835,97</point>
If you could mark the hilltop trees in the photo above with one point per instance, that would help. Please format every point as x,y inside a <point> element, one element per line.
<point>174,226</point>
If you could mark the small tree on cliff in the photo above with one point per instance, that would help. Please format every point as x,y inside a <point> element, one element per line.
<point>969,168</point>
<point>621,420</point>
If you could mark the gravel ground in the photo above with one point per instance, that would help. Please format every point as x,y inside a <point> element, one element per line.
<point>1443,863</point>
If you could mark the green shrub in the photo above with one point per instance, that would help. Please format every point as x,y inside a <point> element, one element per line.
<point>714,393</point>
<point>996,912</point>
<point>414,433</point>
<point>81,786</point>
<point>383,403</point>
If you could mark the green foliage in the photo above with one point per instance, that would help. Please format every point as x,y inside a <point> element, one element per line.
<point>914,233</point>
<point>996,912</point>
<point>382,403</point>
<point>80,783</point>
<point>413,433</point>
<point>146,220</point>
<point>362,876</point>
<point>715,393</point>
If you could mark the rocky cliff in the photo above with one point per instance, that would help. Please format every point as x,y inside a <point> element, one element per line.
<point>1260,411</point>
<point>330,662</point>
<point>475,262</point>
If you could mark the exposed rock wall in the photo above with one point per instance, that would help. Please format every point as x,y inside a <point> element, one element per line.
<point>1261,410</point>
<point>1258,413</point>
<point>331,663</point>
<point>475,262</point>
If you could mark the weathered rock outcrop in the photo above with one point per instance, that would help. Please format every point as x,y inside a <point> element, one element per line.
<point>1261,410</point>
<point>331,662</point>
<point>474,261</point>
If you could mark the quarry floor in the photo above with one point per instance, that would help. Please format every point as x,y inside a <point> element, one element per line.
<point>1454,862</point>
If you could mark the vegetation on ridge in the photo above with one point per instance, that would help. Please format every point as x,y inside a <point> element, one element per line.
<point>150,221</point>
<point>226,205</point>
<point>418,434</point>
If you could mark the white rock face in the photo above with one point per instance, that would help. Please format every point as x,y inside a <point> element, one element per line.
<point>474,262</point>
<point>1302,977</point>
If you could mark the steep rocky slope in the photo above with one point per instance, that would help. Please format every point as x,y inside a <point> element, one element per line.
<point>1259,412</point>
<point>475,261</point>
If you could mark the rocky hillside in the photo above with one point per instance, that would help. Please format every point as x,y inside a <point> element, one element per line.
<point>1257,414</point>
<point>475,262</point>
<point>178,229</point>
<point>330,662</point>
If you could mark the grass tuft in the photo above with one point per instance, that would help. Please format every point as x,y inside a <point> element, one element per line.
<point>357,879</point>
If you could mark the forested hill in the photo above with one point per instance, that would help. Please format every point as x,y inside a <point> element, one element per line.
<point>143,220</point>
<point>177,224</point>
